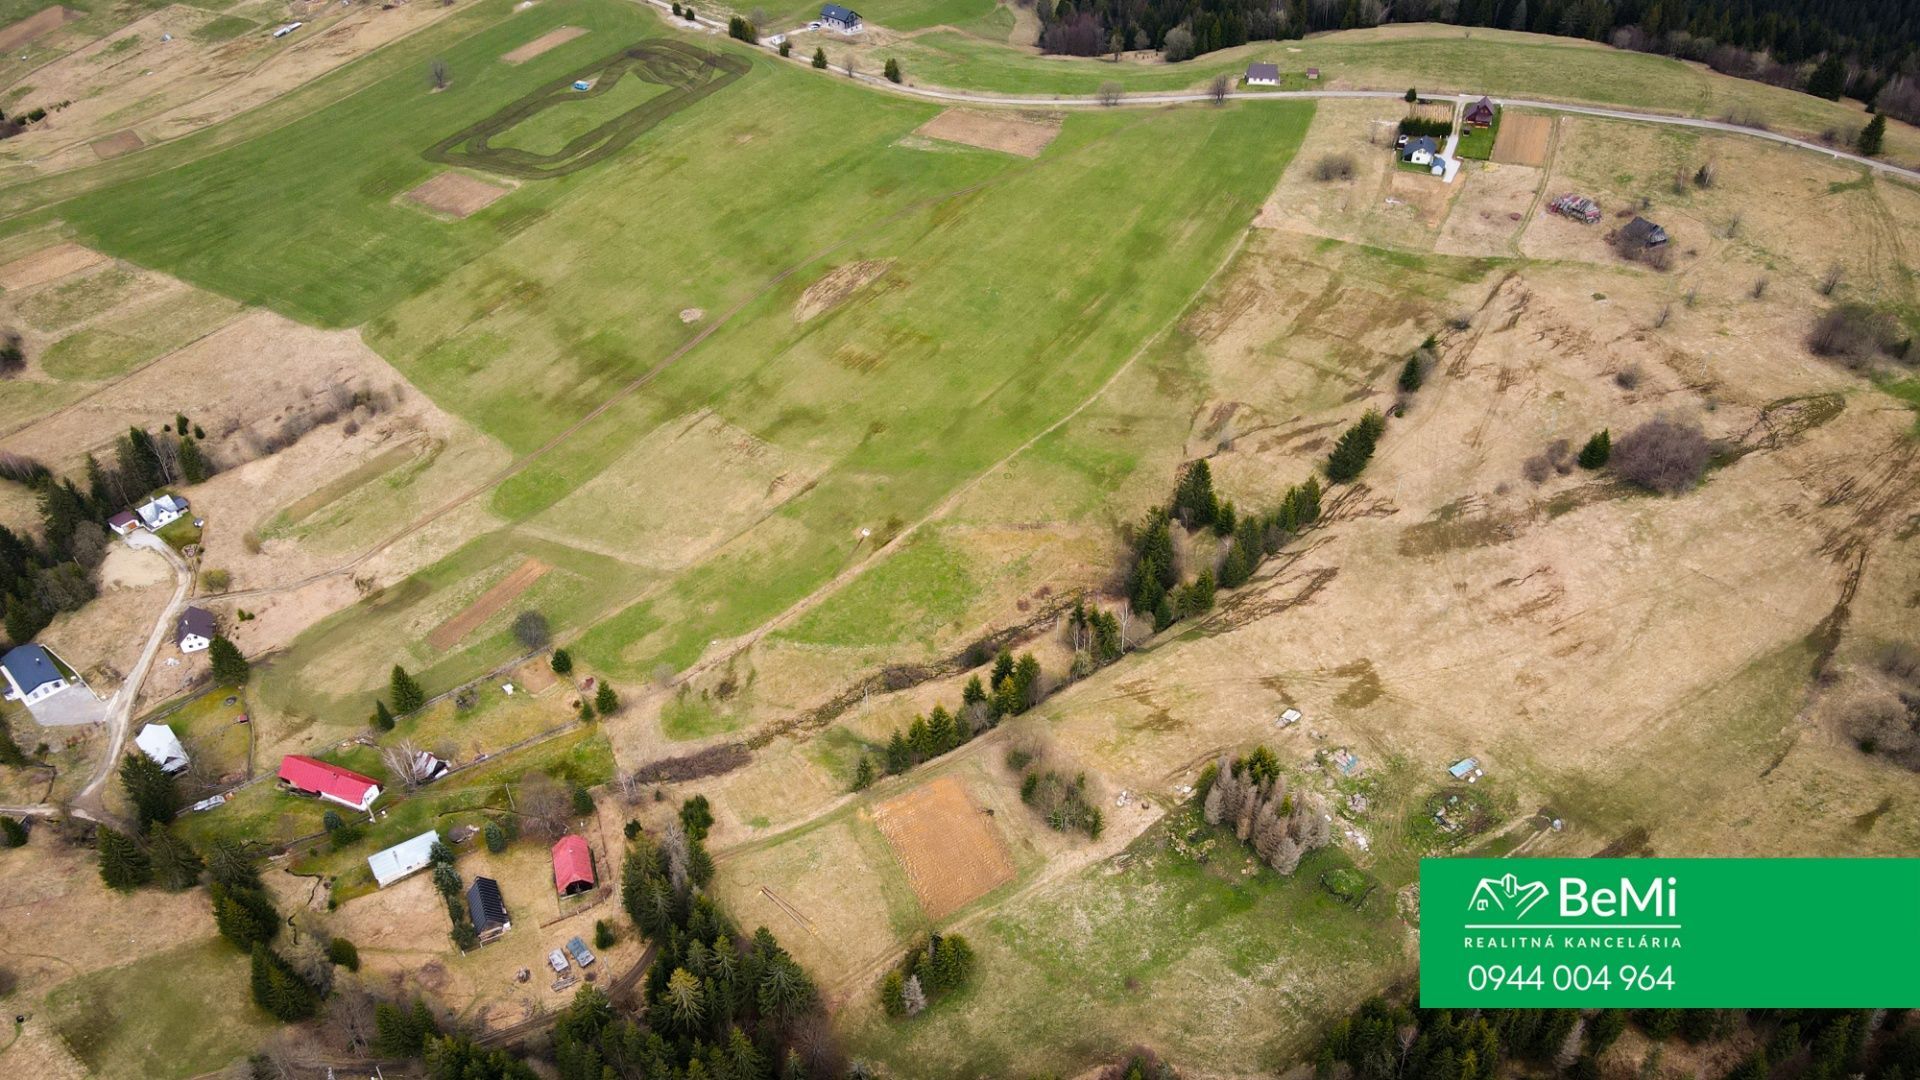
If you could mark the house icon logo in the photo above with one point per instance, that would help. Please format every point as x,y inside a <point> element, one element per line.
<point>1507,894</point>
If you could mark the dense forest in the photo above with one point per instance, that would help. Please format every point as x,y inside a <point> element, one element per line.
<point>1825,47</point>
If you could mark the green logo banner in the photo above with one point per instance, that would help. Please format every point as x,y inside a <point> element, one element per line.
<point>1657,933</point>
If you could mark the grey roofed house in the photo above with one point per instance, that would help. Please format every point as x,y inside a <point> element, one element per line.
<point>158,742</point>
<point>1643,231</point>
<point>842,18</point>
<point>487,909</point>
<point>195,630</point>
<point>1263,74</point>
<point>1424,142</point>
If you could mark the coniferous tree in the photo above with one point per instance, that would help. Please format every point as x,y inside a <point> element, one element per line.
<point>406,693</point>
<point>152,790</point>
<point>193,464</point>
<point>1410,374</point>
<point>10,753</point>
<point>122,864</point>
<point>820,58</point>
<point>1598,449</point>
<point>176,865</point>
<point>243,915</point>
<point>863,774</point>
<point>1829,79</point>
<point>12,832</point>
<point>1354,448</point>
<point>899,753</point>
<point>1194,502</point>
<point>561,662</point>
<point>279,989</point>
<point>604,699</point>
<point>229,667</point>
<point>1873,135</point>
<point>382,716</point>
<point>892,70</point>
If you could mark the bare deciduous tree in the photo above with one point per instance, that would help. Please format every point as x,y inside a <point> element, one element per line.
<point>1664,454</point>
<point>544,806</point>
<point>406,763</point>
<point>1830,280</point>
<point>1110,94</point>
<point>530,628</point>
<point>1333,167</point>
<point>1217,89</point>
<point>349,1019</point>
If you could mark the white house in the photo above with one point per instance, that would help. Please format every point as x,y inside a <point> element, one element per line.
<point>195,630</point>
<point>1420,151</point>
<point>162,512</point>
<point>158,742</point>
<point>32,674</point>
<point>402,859</point>
<point>123,523</point>
<point>845,20</point>
<point>1263,74</point>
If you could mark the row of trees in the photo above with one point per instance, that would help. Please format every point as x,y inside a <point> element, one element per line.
<point>1861,48</point>
<point>1386,1041</point>
<point>1017,685</point>
<point>935,967</point>
<point>1249,795</point>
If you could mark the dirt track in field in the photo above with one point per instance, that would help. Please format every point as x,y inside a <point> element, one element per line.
<point>951,849</point>
<point>450,633</point>
<point>48,264</point>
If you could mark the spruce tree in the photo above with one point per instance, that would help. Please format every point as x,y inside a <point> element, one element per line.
<point>1354,448</point>
<point>1873,135</point>
<point>193,464</point>
<point>863,774</point>
<point>151,789</point>
<point>1598,449</point>
<point>229,667</point>
<point>279,989</point>
<point>382,716</point>
<point>176,866</point>
<point>1234,572</point>
<point>122,864</point>
<point>12,832</point>
<point>243,915</point>
<point>561,662</point>
<point>406,693</point>
<point>1829,79</point>
<point>899,754</point>
<point>10,752</point>
<point>605,699</point>
<point>1194,502</point>
<point>820,58</point>
<point>892,70</point>
<point>1410,374</point>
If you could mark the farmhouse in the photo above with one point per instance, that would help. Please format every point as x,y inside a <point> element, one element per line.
<point>1420,151</point>
<point>572,866</point>
<point>162,512</point>
<point>487,910</point>
<point>1480,113</point>
<point>1263,74</point>
<point>845,20</point>
<point>158,742</point>
<point>32,674</point>
<point>1644,232</point>
<point>403,859</point>
<point>195,630</point>
<point>310,776</point>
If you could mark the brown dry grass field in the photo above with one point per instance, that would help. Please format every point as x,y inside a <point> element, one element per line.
<point>950,848</point>
<point>1523,139</point>
<point>35,26</point>
<point>1023,134</point>
<point>546,42</point>
<point>158,77</point>
<point>457,194</point>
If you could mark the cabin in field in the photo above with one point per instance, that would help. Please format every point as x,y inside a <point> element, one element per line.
<point>1263,74</point>
<point>403,859</point>
<point>1480,113</point>
<point>1644,233</point>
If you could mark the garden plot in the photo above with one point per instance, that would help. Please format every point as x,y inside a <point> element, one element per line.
<point>951,849</point>
<point>487,605</point>
<point>1524,139</point>
<point>48,264</point>
<point>1021,134</point>
<point>546,42</point>
<point>457,194</point>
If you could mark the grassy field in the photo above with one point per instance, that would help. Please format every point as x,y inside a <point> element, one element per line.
<point>150,1018</point>
<point>1210,966</point>
<point>1435,58</point>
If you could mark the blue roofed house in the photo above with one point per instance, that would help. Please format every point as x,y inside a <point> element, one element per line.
<point>32,675</point>
<point>845,20</point>
<point>1420,151</point>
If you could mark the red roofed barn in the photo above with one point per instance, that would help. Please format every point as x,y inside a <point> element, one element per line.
<point>572,866</point>
<point>330,782</point>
